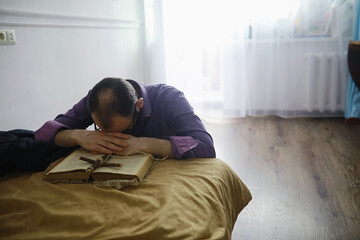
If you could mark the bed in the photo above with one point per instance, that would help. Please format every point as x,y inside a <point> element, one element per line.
<point>179,199</point>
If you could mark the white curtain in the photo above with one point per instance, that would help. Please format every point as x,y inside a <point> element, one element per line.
<point>234,58</point>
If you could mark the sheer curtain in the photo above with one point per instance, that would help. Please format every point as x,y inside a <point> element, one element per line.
<point>236,58</point>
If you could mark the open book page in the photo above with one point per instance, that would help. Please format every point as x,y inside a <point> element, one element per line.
<point>131,165</point>
<point>72,162</point>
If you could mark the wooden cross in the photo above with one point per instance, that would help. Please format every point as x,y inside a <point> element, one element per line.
<point>99,163</point>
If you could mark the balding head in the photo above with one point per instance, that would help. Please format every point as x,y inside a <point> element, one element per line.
<point>112,97</point>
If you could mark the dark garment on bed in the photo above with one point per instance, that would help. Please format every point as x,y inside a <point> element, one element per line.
<point>20,151</point>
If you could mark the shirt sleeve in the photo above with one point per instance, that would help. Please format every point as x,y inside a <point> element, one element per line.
<point>191,140</point>
<point>78,117</point>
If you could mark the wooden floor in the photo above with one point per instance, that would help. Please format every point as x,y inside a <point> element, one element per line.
<point>304,175</point>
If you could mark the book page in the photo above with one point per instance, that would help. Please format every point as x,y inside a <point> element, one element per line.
<point>72,162</point>
<point>130,164</point>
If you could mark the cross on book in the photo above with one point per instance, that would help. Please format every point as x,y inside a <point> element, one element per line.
<point>102,162</point>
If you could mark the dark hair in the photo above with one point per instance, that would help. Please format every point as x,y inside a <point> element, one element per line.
<point>112,96</point>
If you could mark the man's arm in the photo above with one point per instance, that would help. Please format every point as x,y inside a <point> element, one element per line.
<point>191,140</point>
<point>155,146</point>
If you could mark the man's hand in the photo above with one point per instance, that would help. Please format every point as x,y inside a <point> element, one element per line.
<point>134,145</point>
<point>93,141</point>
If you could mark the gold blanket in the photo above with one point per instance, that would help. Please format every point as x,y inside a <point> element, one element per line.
<point>180,199</point>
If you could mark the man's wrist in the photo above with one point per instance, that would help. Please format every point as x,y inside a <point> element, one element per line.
<point>145,145</point>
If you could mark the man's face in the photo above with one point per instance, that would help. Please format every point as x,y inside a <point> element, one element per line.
<point>119,123</point>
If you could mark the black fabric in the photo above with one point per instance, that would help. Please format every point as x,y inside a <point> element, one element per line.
<point>20,151</point>
<point>354,61</point>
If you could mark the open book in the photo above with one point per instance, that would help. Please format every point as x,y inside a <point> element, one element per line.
<point>117,171</point>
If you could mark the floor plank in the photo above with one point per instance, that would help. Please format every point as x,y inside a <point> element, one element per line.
<point>304,175</point>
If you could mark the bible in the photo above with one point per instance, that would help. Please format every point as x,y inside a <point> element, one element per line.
<point>102,170</point>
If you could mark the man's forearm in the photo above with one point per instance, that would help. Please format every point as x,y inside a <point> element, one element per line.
<point>159,147</point>
<point>67,138</point>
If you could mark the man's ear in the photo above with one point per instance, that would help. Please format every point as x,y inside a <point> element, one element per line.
<point>139,104</point>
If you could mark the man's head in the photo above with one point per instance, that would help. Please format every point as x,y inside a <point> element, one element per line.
<point>112,104</point>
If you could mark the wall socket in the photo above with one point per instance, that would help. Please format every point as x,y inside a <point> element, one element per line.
<point>7,37</point>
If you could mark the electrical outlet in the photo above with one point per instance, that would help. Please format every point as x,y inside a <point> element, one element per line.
<point>7,37</point>
<point>3,38</point>
<point>10,34</point>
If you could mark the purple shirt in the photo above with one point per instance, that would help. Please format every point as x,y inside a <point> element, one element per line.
<point>166,114</point>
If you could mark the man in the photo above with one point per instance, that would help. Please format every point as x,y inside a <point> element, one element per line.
<point>132,117</point>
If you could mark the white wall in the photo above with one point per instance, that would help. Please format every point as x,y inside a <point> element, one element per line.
<point>63,48</point>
